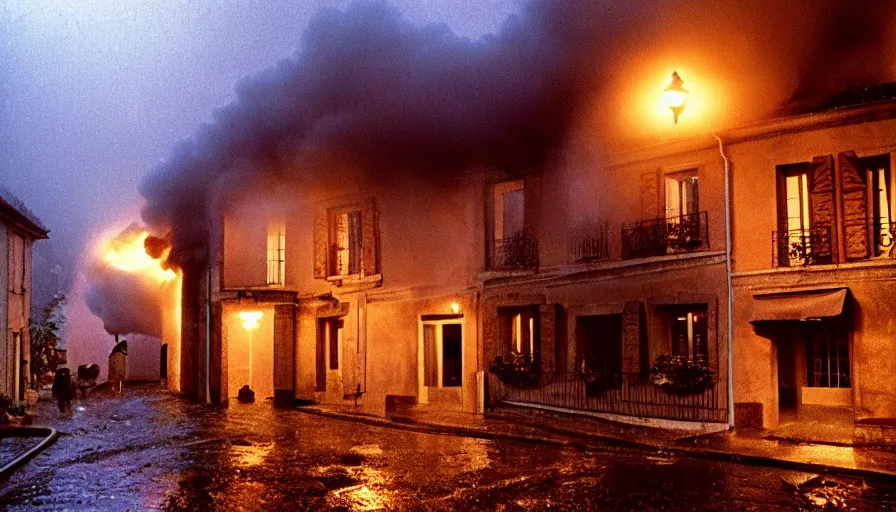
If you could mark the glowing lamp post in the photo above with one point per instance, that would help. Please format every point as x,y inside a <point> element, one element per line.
<point>675,96</point>
<point>250,323</point>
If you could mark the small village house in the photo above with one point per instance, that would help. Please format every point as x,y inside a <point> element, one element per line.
<point>19,229</point>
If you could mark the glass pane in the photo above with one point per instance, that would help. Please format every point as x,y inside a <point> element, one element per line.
<point>430,363</point>
<point>513,208</point>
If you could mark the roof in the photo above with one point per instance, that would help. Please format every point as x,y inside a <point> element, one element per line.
<point>852,97</point>
<point>13,209</point>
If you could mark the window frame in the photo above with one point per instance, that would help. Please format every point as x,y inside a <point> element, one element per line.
<point>354,250</point>
<point>690,314</point>
<point>276,255</point>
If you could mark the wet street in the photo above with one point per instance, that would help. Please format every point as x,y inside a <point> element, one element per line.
<point>146,450</point>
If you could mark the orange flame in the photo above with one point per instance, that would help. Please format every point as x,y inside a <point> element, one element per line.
<point>130,255</point>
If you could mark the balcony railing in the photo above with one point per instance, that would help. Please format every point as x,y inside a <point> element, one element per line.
<point>590,242</point>
<point>802,247</point>
<point>519,253</point>
<point>629,394</point>
<point>673,235</point>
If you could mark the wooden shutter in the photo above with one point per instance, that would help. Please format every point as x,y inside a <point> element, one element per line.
<point>548,332</point>
<point>822,207</point>
<point>284,347</point>
<point>369,238</point>
<point>321,244</point>
<point>649,194</point>
<point>853,178</point>
<point>633,339</point>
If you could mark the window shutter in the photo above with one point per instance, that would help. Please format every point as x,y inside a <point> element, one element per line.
<point>321,244</point>
<point>633,339</point>
<point>649,195</point>
<point>369,237</point>
<point>855,206</point>
<point>821,205</point>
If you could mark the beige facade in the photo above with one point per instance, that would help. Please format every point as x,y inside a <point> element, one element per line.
<point>18,231</point>
<point>813,203</point>
<point>387,293</point>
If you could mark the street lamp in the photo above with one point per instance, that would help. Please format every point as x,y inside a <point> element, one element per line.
<point>675,96</point>
<point>250,323</point>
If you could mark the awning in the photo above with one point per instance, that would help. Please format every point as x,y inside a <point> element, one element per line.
<point>798,305</point>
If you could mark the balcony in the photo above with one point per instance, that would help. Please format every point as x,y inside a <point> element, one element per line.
<point>802,247</point>
<point>519,253</point>
<point>673,235</point>
<point>589,243</point>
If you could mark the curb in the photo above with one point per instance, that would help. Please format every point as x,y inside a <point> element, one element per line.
<point>410,424</point>
<point>49,434</point>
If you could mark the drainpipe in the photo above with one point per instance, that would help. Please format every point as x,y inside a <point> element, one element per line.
<point>208,335</point>
<point>729,284</point>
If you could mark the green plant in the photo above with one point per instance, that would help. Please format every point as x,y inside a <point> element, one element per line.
<point>520,370</point>
<point>45,338</point>
<point>678,375</point>
<point>16,408</point>
<point>596,378</point>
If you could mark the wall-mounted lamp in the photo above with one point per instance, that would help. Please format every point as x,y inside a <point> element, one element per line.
<point>455,308</point>
<point>675,96</point>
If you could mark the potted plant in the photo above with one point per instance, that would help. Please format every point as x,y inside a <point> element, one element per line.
<point>680,376</point>
<point>16,413</point>
<point>596,379</point>
<point>519,371</point>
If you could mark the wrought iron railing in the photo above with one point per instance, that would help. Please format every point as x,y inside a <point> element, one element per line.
<point>589,243</point>
<point>519,253</point>
<point>882,237</point>
<point>673,235</point>
<point>627,394</point>
<point>802,247</point>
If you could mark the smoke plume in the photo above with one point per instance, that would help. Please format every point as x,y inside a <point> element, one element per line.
<point>370,92</point>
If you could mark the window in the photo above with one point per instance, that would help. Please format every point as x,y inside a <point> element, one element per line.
<point>682,198</point>
<point>509,247</point>
<point>345,241</point>
<point>688,330</point>
<point>276,254</point>
<point>880,206</point>
<point>798,241</point>
<point>827,357</point>
<point>520,330</point>
<point>509,210</point>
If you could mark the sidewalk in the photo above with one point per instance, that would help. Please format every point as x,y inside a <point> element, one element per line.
<point>546,427</point>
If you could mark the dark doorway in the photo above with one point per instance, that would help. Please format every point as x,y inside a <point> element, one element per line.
<point>599,343</point>
<point>452,355</point>
<point>787,375</point>
<point>163,362</point>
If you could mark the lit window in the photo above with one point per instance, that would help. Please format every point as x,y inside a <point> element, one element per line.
<point>682,197</point>
<point>688,331</point>
<point>520,330</point>
<point>276,254</point>
<point>827,356</point>
<point>881,203</point>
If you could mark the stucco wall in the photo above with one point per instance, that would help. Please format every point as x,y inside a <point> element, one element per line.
<point>754,194</point>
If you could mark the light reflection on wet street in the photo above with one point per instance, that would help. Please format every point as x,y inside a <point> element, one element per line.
<point>151,451</point>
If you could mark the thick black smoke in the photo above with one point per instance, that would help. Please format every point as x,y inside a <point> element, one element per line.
<point>368,90</point>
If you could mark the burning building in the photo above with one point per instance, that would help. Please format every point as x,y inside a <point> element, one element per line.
<point>19,229</point>
<point>388,213</point>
